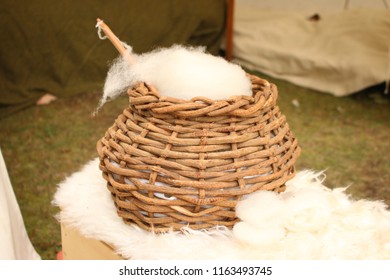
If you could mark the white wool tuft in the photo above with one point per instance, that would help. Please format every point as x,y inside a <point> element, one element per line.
<point>308,210</point>
<point>318,222</point>
<point>258,236</point>
<point>178,72</point>
<point>307,221</point>
<point>261,208</point>
<point>118,79</point>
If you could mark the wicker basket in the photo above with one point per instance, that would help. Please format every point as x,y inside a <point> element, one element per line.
<point>171,163</point>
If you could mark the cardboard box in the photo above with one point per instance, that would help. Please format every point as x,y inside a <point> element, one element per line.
<point>75,246</point>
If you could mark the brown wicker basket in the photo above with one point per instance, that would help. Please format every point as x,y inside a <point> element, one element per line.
<point>171,163</point>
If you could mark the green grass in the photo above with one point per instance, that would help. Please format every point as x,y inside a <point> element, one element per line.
<point>348,137</point>
<point>42,146</point>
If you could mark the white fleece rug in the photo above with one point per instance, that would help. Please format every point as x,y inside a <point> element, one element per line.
<point>308,221</point>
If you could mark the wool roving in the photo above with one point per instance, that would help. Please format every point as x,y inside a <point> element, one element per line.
<point>180,72</point>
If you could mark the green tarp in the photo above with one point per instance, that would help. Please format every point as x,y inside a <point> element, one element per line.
<point>53,46</point>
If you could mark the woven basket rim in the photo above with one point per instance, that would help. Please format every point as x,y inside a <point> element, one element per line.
<point>144,96</point>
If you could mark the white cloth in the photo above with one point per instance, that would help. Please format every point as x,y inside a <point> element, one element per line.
<point>14,241</point>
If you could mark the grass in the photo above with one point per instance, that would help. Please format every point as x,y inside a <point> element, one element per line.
<point>348,137</point>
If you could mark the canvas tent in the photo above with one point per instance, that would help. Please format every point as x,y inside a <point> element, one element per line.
<point>338,47</point>
<point>52,46</point>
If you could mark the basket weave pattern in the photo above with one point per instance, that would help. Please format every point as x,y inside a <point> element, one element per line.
<point>171,163</point>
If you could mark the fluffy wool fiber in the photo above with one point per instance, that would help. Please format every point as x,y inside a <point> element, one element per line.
<point>179,72</point>
<point>307,221</point>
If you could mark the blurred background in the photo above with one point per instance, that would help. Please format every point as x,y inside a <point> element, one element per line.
<point>329,59</point>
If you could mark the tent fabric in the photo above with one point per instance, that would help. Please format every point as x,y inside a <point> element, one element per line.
<point>53,46</point>
<point>340,53</point>
<point>311,7</point>
<point>14,241</point>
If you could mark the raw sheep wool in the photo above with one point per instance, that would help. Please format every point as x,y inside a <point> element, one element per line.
<point>307,221</point>
<point>180,72</point>
<point>318,222</point>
